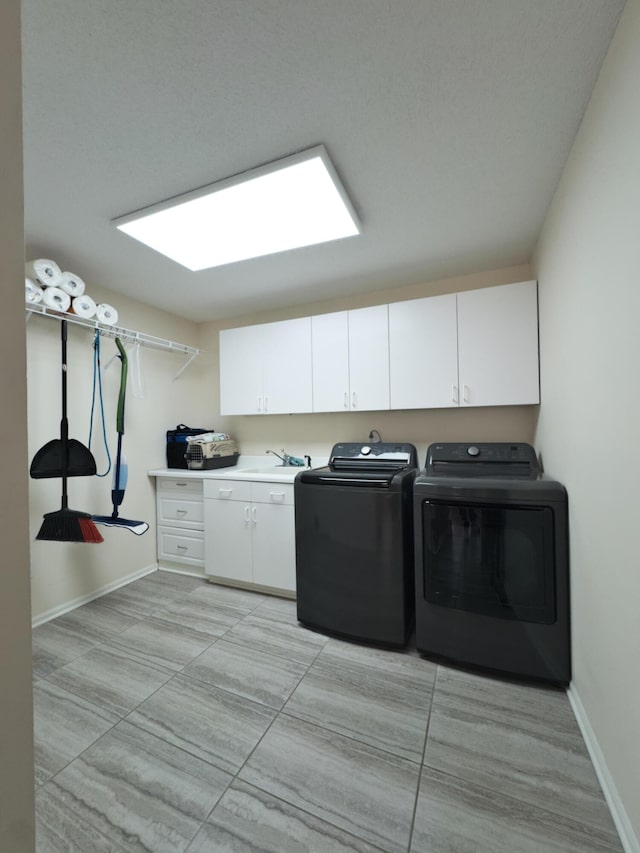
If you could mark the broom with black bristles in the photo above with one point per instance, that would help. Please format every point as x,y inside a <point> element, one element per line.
<point>65,457</point>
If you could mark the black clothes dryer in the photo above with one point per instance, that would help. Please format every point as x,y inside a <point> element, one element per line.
<point>354,543</point>
<point>491,561</point>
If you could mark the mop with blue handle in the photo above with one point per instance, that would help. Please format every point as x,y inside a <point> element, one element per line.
<point>120,474</point>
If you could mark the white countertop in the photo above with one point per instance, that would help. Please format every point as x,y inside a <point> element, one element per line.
<point>255,468</point>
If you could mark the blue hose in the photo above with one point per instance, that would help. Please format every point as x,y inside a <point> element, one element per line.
<point>97,373</point>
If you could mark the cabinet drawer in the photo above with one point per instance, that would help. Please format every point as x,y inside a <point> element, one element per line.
<point>190,488</point>
<point>272,493</point>
<point>228,490</point>
<point>181,546</point>
<point>182,513</point>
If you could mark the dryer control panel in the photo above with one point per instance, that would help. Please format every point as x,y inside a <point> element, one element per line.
<point>460,459</point>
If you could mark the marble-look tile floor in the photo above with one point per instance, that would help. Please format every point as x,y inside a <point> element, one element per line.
<point>176,715</point>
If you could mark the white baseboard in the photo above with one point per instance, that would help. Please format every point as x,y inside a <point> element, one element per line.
<point>54,612</point>
<point>164,567</point>
<point>628,838</point>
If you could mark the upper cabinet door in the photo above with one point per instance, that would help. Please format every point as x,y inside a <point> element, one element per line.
<point>498,345</point>
<point>241,375</point>
<point>423,353</point>
<point>330,362</point>
<point>369,358</point>
<point>287,366</point>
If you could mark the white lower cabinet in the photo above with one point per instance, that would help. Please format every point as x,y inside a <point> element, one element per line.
<point>250,533</point>
<point>180,521</point>
<point>181,546</point>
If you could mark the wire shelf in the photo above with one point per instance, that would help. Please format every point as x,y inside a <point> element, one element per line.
<point>126,335</point>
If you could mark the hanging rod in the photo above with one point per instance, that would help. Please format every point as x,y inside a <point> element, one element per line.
<point>125,335</point>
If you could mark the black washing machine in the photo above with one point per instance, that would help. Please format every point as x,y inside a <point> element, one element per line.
<point>492,561</point>
<point>354,543</point>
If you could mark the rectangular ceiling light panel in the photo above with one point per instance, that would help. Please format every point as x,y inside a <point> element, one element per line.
<point>294,202</point>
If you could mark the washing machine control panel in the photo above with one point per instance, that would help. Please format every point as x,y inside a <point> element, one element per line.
<point>372,453</point>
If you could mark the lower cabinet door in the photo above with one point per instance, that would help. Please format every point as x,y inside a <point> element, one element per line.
<point>274,551</point>
<point>228,526</point>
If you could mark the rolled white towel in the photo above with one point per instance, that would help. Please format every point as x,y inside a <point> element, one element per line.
<point>83,306</point>
<point>106,314</point>
<point>46,272</point>
<point>56,299</point>
<point>71,284</point>
<point>32,291</point>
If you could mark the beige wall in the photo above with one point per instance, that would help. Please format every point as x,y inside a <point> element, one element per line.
<point>63,572</point>
<point>16,739</point>
<point>587,267</point>
<point>315,434</point>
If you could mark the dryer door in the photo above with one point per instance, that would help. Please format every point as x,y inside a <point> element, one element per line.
<point>497,560</point>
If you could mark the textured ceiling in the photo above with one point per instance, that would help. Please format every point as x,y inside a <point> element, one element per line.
<point>448,120</point>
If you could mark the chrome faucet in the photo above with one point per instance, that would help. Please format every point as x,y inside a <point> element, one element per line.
<point>286,459</point>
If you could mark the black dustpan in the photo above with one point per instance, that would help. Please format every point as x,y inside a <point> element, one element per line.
<point>64,456</point>
<point>48,460</point>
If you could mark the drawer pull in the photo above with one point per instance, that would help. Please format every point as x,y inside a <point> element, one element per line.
<point>181,512</point>
<point>182,547</point>
<point>277,497</point>
<point>225,493</point>
<point>181,484</point>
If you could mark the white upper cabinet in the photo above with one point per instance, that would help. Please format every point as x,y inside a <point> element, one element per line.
<point>330,362</point>
<point>423,353</point>
<point>475,348</point>
<point>287,366</point>
<point>241,375</point>
<point>369,358</point>
<point>351,360</point>
<point>498,345</point>
<point>266,369</point>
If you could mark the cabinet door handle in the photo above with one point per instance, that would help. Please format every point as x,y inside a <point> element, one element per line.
<point>465,393</point>
<point>225,494</point>
<point>277,497</point>
<point>354,400</point>
<point>259,403</point>
<point>346,400</point>
<point>454,393</point>
<point>266,403</point>
<point>253,515</point>
<point>247,515</point>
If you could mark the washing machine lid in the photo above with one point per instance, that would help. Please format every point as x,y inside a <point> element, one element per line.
<point>498,460</point>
